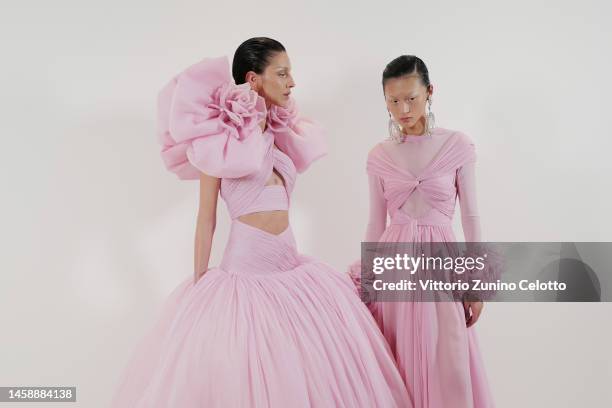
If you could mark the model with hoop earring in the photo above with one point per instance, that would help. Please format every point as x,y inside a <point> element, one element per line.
<point>416,176</point>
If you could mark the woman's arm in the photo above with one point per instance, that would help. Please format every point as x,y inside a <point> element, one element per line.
<point>377,223</point>
<point>378,210</point>
<point>206,223</point>
<point>470,221</point>
<point>466,190</point>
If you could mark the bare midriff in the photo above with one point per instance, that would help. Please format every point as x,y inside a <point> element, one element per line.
<point>274,221</point>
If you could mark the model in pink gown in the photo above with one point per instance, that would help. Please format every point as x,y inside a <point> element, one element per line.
<point>268,327</point>
<point>417,183</point>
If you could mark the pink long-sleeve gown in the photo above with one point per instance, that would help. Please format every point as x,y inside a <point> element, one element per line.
<point>269,327</point>
<point>417,182</point>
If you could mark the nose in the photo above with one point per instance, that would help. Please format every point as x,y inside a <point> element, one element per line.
<point>291,82</point>
<point>406,107</point>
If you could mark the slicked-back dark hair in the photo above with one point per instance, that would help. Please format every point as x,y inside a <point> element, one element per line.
<point>254,55</point>
<point>406,65</point>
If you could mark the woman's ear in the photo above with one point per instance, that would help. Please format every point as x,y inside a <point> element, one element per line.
<point>252,79</point>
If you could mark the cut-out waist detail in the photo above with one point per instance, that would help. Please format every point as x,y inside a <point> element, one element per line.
<point>272,197</point>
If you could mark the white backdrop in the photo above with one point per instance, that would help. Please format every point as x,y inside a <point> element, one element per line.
<point>95,233</point>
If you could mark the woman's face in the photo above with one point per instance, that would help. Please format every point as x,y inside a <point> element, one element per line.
<point>275,83</point>
<point>406,99</point>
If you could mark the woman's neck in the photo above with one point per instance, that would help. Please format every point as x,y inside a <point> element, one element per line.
<point>417,130</point>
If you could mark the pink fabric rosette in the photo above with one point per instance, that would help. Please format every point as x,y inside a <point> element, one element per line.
<point>208,124</point>
<point>302,139</point>
<point>364,287</point>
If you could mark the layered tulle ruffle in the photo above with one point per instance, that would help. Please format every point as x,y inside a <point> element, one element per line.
<point>302,139</point>
<point>208,124</point>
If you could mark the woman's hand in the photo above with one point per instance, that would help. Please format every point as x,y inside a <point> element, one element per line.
<point>472,311</point>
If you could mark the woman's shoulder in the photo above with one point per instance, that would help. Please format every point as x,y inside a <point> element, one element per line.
<point>461,144</point>
<point>375,150</point>
<point>376,146</point>
<point>382,144</point>
<point>460,136</point>
<point>377,156</point>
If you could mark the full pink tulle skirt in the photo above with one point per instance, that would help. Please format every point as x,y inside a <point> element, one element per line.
<point>269,327</point>
<point>438,357</point>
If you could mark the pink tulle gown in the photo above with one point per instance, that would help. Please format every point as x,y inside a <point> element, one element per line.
<point>268,327</point>
<point>417,182</point>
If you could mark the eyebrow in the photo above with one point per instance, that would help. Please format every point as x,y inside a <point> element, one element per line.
<point>410,94</point>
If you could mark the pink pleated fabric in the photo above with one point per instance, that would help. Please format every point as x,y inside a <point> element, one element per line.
<point>438,357</point>
<point>268,327</point>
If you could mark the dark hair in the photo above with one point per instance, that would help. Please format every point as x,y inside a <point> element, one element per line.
<point>254,55</point>
<point>406,65</point>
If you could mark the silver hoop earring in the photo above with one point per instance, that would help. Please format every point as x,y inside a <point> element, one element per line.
<point>431,119</point>
<point>395,131</point>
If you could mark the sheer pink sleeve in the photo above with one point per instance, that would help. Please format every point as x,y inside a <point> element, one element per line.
<point>466,191</point>
<point>470,221</point>
<point>377,222</point>
<point>378,210</point>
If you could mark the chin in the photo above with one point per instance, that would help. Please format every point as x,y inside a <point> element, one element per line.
<point>283,102</point>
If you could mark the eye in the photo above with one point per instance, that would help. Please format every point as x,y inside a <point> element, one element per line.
<point>282,74</point>
<point>413,98</point>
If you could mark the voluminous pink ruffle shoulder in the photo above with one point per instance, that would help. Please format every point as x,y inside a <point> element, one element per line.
<point>209,124</point>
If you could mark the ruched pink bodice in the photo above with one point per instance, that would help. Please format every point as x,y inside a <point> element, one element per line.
<point>250,194</point>
<point>423,194</point>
